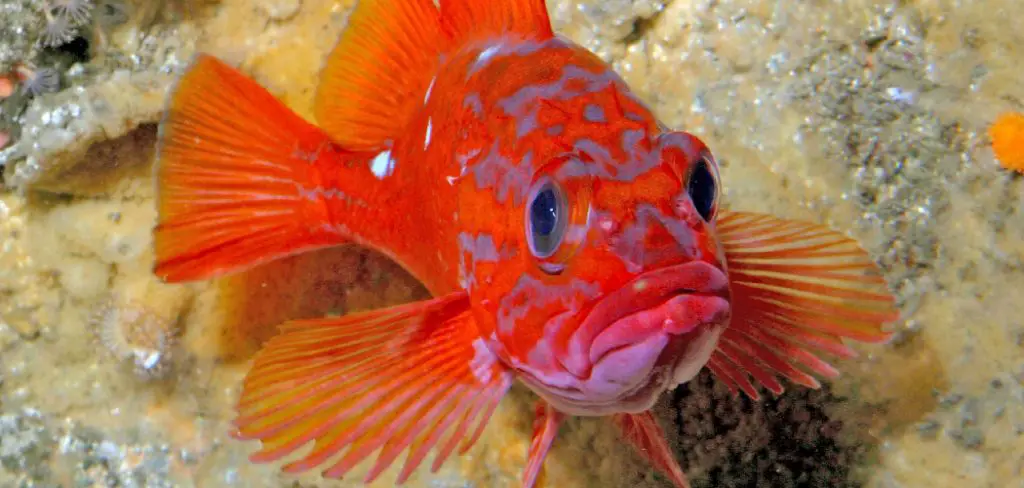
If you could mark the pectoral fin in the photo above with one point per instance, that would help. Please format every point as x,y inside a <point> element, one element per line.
<point>798,289</point>
<point>383,381</point>
<point>642,431</point>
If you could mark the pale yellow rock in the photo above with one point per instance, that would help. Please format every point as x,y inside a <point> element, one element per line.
<point>84,279</point>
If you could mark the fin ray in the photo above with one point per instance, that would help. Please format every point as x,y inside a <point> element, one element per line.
<point>645,435</point>
<point>375,77</point>
<point>231,163</point>
<point>546,421</point>
<point>415,374</point>
<point>798,289</point>
<point>465,18</point>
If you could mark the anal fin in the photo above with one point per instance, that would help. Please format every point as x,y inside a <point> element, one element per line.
<point>386,381</point>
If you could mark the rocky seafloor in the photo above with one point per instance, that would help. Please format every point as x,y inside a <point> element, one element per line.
<point>869,116</point>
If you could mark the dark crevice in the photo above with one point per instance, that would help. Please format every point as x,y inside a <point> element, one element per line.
<point>641,26</point>
<point>77,50</point>
<point>790,441</point>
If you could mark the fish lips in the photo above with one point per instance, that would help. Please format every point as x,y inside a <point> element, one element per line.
<point>653,333</point>
<point>675,300</point>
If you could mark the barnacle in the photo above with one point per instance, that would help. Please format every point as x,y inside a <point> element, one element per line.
<point>1007,134</point>
<point>137,335</point>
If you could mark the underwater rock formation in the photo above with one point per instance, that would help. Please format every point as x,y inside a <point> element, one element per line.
<point>867,115</point>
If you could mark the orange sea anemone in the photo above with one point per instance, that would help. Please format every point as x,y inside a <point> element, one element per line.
<point>1007,134</point>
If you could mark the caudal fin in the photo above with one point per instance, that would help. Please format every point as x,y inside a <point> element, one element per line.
<point>235,177</point>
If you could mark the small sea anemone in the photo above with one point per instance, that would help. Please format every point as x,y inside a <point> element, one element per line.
<point>136,335</point>
<point>58,31</point>
<point>76,11</point>
<point>1007,134</point>
<point>36,81</point>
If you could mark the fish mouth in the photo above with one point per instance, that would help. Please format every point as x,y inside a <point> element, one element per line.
<point>661,293</point>
<point>651,334</point>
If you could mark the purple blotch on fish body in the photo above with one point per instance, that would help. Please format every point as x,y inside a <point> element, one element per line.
<point>628,244</point>
<point>511,47</point>
<point>526,123</point>
<point>474,104</point>
<point>478,249</point>
<point>594,113</point>
<point>497,172</point>
<point>529,293</point>
<point>520,101</point>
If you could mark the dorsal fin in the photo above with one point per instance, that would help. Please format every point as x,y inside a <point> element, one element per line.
<point>378,72</point>
<point>464,18</point>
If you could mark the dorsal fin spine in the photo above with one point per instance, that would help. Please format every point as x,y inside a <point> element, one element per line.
<point>374,79</point>
<point>466,19</point>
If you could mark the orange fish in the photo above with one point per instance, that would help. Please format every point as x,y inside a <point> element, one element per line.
<point>571,241</point>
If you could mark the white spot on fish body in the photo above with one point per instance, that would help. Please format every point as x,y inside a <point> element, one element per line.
<point>464,160</point>
<point>487,54</point>
<point>430,88</point>
<point>426,137</point>
<point>483,361</point>
<point>383,165</point>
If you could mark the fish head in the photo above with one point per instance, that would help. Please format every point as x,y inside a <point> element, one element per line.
<point>641,279</point>
<point>599,274</point>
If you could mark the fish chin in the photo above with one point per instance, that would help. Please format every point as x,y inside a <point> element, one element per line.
<point>631,378</point>
<point>696,354</point>
<point>636,373</point>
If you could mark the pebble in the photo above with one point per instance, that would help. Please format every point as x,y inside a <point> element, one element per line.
<point>27,328</point>
<point>970,437</point>
<point>950,399</point>
<point>928,429</point>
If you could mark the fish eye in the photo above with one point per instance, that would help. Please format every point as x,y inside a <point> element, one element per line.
<point>703,187</point>
<point>546,218</point>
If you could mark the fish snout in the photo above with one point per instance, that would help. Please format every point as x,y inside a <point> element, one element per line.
<point>666,240</point>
